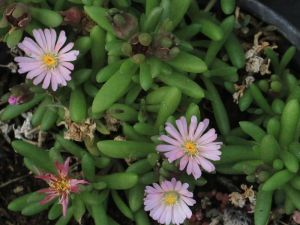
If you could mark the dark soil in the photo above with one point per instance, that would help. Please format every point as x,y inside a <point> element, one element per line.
<point>15,181</point>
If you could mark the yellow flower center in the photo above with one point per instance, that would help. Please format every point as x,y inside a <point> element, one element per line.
<point>50,60</point>
<point>190,148</point>
<point>170,198</point>
<point>61,185</point>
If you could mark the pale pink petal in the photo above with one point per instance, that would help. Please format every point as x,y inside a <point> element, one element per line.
<point>157,187</point>
<point>206,165</point>
<point>164,185</point>
<point>70,56</point>
<point>196,170</point>
<point>67,48</point>
<point>62,168</point>
<point>53,39</point>
<point>156,213</point>
<point>46,82</point>
<point>215,146</point>
<point>162,218</point>
<point>64,201</point>
<point>48,198</point>
<point>153,202</point>
<point>183,162</point>
<point>46,191</point>
<point>54,83</point>
<point>208,137</point>
<point>48,37</point>
<point>211,156</point>
<point>188,201</point>
<point>168,215</point>
<point>174,155</point>
<point>169,140</point>
<point>24,59</point>
<point>193,126</point>
<point>182,127</point>
<point>33,73</point>
<point>173,132</point>
<point>186,193</point>
<point>62,71</point>
<point>68,65</point>
<point>58,77</point>
<point>150,190</point>
<point>201,128</point>
<point>30,48</point>
<point>25,67</point>
<point>179,216</point>
<point>189,168</point>
<point>65,169</point>
<point>166,148</point>
<point>40,38</point>
<point>177,186</point>
<point>46,177</point>
<point>39,78</point>
<point>60,41</point>
<point>74,183</point>
<point>185,209</point>
<point>174,182</point>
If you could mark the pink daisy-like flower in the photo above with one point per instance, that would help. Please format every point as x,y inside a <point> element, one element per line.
<point>191,145</point>
<point>169,202</point>
<point>60,185</point>
<point>46,59</point>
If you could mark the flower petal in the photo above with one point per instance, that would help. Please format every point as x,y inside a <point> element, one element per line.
<point>64,201</point>
<point>60,41</point>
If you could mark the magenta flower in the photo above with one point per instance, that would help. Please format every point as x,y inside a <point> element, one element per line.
<point>13,100</point>
<point>191,146</point>
<point>46,60</point>
<point>60,185</point>
<point>168,202</point>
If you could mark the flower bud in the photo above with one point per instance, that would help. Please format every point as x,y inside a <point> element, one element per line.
<point>17,14</point>
<point>127,49</point>
<point>166,42</point>
<point>174,52</point>
<point>138,47</point>
<point>262,176</point>
<point>138,58</point>
<point>124,24</point>
<point>145,39</point>
<point>72,16</point>
<point>19,94</point>
<point>165,46</point>
<point>13,100</point>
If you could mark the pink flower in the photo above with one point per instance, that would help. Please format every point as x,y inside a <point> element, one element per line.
<point>13,100</point>
<point>168,202</point>
<point>191,146</point>
<point>46,60</point>
<point>60,185</point>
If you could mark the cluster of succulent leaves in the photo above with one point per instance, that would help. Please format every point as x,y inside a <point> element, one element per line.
<point>266,149</point>
<point>144,63</point>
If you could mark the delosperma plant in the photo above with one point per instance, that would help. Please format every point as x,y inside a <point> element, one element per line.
<point>131,95</point>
